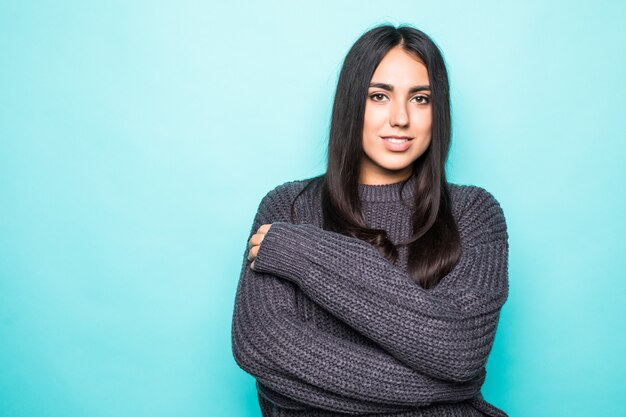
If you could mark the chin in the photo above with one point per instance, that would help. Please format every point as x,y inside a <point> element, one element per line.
<point>394,169</point>
<point>396,166</point>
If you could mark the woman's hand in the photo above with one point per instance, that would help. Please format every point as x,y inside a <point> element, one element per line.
<point>255,242</point>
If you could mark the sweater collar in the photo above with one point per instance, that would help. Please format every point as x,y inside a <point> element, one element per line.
<point>388,192</point>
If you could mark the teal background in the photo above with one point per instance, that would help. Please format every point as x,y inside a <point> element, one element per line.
<point>137,139</point>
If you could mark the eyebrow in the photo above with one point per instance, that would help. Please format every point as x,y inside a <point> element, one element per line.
<point>389,87</point>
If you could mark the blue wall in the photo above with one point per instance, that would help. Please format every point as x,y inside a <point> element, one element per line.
<point>137,138</point>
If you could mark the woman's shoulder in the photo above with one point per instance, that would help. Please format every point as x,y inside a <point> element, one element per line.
<point>477,208</point>
<point>469,194</point>
<point>281,196</point>
<point>290,189</point>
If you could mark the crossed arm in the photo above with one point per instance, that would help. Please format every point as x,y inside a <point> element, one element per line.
<point>431,346</point>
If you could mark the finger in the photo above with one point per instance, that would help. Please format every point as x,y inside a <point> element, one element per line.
<point>253,252</point>
<point>254,240</point>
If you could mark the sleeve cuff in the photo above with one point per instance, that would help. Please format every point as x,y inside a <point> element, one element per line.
<point>284,250</point>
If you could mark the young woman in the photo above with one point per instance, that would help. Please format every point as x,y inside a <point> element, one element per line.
<point>376,288</point>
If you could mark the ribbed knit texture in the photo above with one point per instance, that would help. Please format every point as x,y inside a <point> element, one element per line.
<point>329,327</point>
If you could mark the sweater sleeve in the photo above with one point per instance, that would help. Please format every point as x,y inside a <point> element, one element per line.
<point>315,368</point>
<point>446,332</point>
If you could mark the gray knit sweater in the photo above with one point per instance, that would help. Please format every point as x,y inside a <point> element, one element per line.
<point>329,327</point>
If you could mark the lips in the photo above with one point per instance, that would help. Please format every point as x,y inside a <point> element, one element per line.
<point>397,143</point>
<point>396,137</point>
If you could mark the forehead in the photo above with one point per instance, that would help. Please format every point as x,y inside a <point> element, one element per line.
<point>401,68</point>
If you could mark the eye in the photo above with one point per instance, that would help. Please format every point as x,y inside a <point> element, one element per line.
<point>422,99</point>
<point>377,96</point>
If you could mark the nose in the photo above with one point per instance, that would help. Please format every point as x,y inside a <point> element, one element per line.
<point>399,115</point>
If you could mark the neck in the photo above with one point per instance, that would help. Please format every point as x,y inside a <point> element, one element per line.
<point>382,179</point>
<point>389,191</point>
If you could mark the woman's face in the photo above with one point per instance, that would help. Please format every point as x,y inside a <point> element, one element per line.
<point>398,104</point>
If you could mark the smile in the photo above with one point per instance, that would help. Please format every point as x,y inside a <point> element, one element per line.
<point>397,144</point>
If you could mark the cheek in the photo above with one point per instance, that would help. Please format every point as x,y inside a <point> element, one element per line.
<point>422,123</point>
<point>373,119</point>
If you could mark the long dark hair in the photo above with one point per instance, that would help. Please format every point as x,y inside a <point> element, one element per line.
<point>434,247</point>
